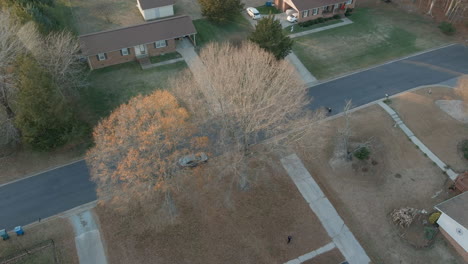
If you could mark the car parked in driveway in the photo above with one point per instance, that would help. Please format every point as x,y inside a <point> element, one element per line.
<point>253,13</point>
<point>193,160</point>
<point>292,18</point>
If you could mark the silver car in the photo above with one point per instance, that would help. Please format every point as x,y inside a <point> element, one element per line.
<point>193,160</point>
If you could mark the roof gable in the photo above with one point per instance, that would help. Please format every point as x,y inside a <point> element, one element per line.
<point>111,40</point>
<point>148,4</point>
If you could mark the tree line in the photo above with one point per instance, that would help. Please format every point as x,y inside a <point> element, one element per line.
<point>40,74</point>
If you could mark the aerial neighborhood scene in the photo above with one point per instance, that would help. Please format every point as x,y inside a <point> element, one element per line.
<point>234,131</point>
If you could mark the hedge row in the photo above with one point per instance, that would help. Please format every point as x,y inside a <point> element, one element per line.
<point>318,21</point>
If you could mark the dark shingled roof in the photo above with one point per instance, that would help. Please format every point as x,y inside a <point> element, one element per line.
<point>456,208</point>
<point>148,4</point>
<point>111,40</point>
<point>310,4</point>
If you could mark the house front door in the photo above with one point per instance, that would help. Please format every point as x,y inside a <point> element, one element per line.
<point>140,50</point>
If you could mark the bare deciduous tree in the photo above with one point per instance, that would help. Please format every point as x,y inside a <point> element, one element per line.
<point>10,47</point>
<point>58,54</point>
<point>246,94</point>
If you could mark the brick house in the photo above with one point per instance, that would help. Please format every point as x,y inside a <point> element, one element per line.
<point>312,9</point>
<point>154,9</point>
<point>453,222</point>
<point>137,42</point>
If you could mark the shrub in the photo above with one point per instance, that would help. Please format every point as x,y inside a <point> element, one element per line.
<point>348,12</point>
<point>434,217</point>
<point>320,20</point>
<point>447,28</point>
<point>336,16</point>
<point>362,153</point>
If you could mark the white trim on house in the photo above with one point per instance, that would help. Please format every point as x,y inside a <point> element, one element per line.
<point>455,230</point>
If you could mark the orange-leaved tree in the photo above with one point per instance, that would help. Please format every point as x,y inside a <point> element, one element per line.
<point>137,148</point>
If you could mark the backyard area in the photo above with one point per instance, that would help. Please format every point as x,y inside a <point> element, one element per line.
<point>226,224</point>
<point>49,242</point>
<point>380,32</point>
<point>365,192</point>
<point>439,131</point>
<point>236,30</point>
<point>92,16</point>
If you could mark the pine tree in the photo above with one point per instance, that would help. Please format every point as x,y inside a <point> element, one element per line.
<point>269,36</point>
<point>43,117</point>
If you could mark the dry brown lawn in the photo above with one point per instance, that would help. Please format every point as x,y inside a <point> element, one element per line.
<point>252,227</point>
<point>435,128</point>
<point>58,229</point>
<point>364,193</point>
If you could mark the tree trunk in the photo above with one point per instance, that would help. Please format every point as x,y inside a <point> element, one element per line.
<point>430,7</point>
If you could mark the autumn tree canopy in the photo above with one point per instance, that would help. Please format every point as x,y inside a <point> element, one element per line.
<point>137,147</point>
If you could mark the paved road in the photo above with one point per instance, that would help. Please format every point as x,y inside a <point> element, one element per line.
<point>367,86</point>
<point>44,195</point>
<point>55,191</point>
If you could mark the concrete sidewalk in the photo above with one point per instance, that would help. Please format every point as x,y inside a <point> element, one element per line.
<point>88,239</point>
<point>418,142</point>
<point>305,75</point>
<point>326,213</point>
<point>153,65</point>
<point>345,22</point>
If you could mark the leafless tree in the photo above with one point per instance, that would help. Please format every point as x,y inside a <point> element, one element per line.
<point>246,94</point>
<point>346,131</point>
<point>58,54</point>
<point>10,47</point>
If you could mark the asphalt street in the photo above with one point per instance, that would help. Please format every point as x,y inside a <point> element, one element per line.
<point>47,194</point>
<point>58,190</point>
<point>370,85</point>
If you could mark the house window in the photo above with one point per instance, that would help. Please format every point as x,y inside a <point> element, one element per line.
<point>315,11</point>
<point>102,56</point>
<point>337,6</point>
<point>125,51</point>
<point>160,44</point>
<point>349,2</point>
<point>305,13</point>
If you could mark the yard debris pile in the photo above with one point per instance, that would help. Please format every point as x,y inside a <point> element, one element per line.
<point>404,216</point>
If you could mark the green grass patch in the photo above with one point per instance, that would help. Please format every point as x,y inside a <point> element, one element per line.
<point>235,30</point>
<point>62,13</point>
<point>115,85</point>
<point>165,57</point>
<point>267,10</point>
<point>377,35</point>
<point>297,28</point>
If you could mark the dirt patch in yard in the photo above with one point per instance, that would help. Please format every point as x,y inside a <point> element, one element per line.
<point>437,129</point>
<point>253,229</point>
<point>398,175</point>
<point>40,235</point>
